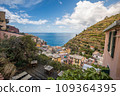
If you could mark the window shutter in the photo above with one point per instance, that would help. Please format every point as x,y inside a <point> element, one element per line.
<point>109,41</point>
<point>113,44</point>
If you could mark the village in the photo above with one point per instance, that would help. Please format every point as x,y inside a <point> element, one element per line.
<point>56,53</point>
<point>62,55</point>
<point>59,54</point>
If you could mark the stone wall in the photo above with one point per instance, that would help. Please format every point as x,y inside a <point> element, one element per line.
<point>4,34</point>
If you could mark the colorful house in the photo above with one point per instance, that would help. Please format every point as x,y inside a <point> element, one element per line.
<point>68,50</point>
<point>96,54</point>
<point>64,57</point>
<point>76,59</point>
<point>56,57</point>
<point>92,48</point>
<point>39,45</point>
<point>112,49</point>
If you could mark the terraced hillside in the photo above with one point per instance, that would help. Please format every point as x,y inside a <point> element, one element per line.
<point>92,36</point>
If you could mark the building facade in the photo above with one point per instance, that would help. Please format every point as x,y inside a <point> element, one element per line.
<point>3,21</point>
<point>12,29</point>
<point>112,49</point>
<point>76,60</point>
<point>6,31</point>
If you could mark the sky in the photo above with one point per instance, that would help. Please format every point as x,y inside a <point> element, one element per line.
<point>54,16</point>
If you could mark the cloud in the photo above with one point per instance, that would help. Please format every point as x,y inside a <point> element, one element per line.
<point>24,3</point>
<point>22,18</point>
<point>86,14</point>
<point>60,2</point>
<point>25,15</point>
<point>61,27</point>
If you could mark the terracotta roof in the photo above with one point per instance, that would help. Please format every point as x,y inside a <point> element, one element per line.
<point>91,46</point>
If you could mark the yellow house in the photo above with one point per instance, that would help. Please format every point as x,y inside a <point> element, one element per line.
<point>77,60</point>
<point>68,50</point>
<point>56,58</point>
<point>38,45</point>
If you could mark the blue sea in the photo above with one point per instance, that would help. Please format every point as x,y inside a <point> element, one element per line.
<point>55,39</point>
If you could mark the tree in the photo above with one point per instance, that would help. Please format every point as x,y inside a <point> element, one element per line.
<point>19,49</point>
<point>43,59</point>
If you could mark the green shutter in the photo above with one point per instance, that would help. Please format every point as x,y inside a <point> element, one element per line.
<point>109,41</point>
<point>113,44</point>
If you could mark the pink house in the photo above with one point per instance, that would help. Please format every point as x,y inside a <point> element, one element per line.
<point>112,49</point>
<point>12,29</point>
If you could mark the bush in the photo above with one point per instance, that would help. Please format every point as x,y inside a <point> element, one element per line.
<point>19,49</point>
<point>79,74</point>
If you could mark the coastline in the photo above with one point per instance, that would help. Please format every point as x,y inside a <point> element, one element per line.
<point>55,39</point>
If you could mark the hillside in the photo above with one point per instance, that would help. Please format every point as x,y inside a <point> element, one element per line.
<point>92,36</point>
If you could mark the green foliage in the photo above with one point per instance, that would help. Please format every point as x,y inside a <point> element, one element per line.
<point>43,59</point>
<point>72,75</point>
<point>19,49</point>
<point>100,67</point>
<point>79,74</point>
<point>50,78</point>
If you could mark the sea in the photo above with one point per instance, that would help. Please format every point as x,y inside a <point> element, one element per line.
<point>55,39</point>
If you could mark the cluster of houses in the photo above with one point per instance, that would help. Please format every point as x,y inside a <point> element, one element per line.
<point>39,42</point>
<point>62,55</point>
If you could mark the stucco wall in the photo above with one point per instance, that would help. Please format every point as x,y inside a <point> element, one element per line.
<point>113,63</point>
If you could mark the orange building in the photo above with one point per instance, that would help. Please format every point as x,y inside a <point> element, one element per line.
<point>112,49</point>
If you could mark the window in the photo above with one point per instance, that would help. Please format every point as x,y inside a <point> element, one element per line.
<point>77,61</point>
<point>111,43</point>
